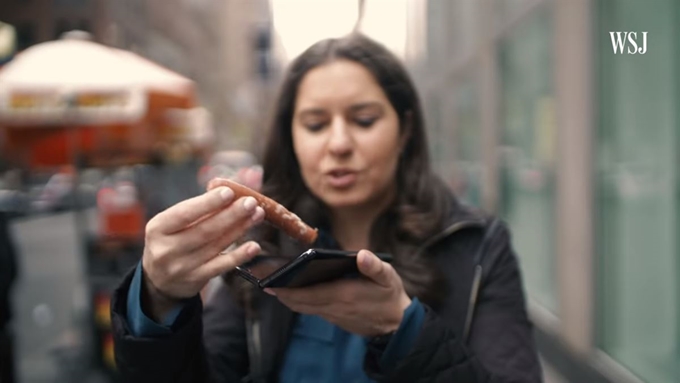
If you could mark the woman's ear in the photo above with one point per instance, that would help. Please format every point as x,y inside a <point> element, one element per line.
<point>406,130</point>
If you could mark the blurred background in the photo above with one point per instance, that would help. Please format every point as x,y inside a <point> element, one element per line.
<point>531,115</point>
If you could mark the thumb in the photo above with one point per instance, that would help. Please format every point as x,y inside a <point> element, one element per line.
<point>374,268</point>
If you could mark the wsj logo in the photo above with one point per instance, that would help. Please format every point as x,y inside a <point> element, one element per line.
<point>621,39</point>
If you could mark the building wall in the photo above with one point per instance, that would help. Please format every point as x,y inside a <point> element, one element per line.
<point>43,20</point>
<point>211,42</point>
<point>533,117</point>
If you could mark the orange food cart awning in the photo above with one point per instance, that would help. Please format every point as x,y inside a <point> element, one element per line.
<point>74,94</point>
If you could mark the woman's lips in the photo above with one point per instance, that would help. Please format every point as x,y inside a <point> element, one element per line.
<point>341,179</point>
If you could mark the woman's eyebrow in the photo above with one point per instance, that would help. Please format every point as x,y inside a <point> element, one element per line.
<point>366,105</point>
<point>312,112</point>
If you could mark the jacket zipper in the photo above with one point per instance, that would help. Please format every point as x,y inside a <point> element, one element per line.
<point>254,351</point>
<point>256,339</point>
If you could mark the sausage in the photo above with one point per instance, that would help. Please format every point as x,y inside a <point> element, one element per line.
<point>274,212</point>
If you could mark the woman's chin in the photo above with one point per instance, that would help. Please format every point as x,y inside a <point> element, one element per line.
<point>344,199</point>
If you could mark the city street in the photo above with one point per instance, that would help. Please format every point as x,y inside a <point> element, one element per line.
<point>49,301</point>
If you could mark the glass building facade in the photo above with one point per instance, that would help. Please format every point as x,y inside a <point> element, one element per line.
<point>637,191</point>
<point>533,116</point>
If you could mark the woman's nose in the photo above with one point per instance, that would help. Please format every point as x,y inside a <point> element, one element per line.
<point>340,141</point>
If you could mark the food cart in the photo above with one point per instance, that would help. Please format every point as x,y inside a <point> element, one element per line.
<point>83,105</point>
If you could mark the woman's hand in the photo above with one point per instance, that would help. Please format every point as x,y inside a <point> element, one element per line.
<point>184,244</point>
<point>368,306</point>
<point>252,178</point>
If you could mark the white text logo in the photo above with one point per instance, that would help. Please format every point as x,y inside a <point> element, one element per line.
<point>621,39</point>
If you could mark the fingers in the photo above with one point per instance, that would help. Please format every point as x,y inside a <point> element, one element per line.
<point>178,217</point>
<point>300,300</point>
<point>229,235</point>
<point>311,295</point>
<point>372,267</point>
<point>228,261</point>
<point>225,226</point>
<point>322,294</point>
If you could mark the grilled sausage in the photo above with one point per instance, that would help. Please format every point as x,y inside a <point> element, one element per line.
<point>275,213</point>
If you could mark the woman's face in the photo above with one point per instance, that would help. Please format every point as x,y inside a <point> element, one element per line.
<point>346,136</point>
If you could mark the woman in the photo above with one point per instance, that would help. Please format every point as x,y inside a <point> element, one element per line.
<point>348,153</point>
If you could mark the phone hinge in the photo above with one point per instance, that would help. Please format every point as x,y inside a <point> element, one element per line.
<point>249,277</point>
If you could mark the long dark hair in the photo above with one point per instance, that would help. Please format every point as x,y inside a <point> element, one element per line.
<point>423,201</point>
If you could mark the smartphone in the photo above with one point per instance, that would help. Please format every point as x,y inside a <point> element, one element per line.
<point>309,268</point>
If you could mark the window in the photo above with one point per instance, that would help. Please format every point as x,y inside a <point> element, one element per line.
<point>508,10</point>
<point>26,35</point>
<point>436,40</point>
<point>527,167</point>
<point>434,120</point>
<point>468,142</point>
<point>84,25</point>
<point>463,19</point>
<point>638,208</point>
<point>61,27</point>
<point>70,3</point>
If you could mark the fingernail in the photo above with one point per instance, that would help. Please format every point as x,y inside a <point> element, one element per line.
<point>249,204</point>
<point>253,249</point>
<point>367,259</point>
<point>226,194</point>
<point>258,215</point>
<point>269,291</point>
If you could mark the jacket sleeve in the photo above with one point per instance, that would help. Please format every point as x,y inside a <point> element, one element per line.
<point>501,348</point>
<point>206,345</point>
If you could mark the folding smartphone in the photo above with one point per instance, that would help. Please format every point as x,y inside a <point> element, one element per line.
<point>311,267</point>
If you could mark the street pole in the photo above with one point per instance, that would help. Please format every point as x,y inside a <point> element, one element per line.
<point>362,6</point>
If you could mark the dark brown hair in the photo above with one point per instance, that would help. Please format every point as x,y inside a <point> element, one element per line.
<point>423,201</point>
